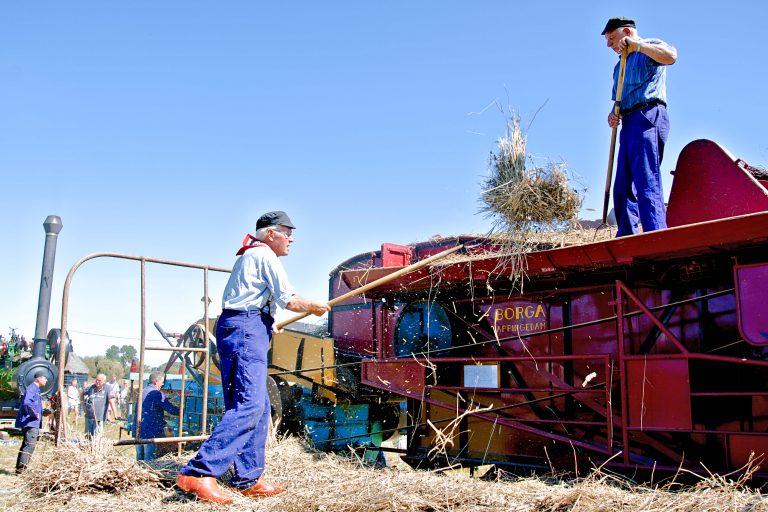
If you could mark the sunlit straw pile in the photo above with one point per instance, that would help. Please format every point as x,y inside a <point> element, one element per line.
<point>85,468</point>
<point>328,482</point>
<point>522,197</point>
<point>523,200</point>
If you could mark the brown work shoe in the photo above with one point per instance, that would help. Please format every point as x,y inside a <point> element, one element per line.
<point>262,488</point>
<point>204,487</point>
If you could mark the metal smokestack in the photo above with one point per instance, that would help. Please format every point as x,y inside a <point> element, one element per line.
<point>38,362</point>
<point>52,227</point>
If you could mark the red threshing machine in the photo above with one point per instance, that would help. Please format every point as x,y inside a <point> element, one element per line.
<point>648,352</point>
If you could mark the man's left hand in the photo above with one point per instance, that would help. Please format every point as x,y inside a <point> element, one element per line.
<point>613,120</point>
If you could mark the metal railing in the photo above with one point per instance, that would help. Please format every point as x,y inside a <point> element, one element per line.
<point>60,431</point>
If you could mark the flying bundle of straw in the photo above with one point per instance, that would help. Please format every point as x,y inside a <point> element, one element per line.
<point>518,198</point>
<point>525,201</point>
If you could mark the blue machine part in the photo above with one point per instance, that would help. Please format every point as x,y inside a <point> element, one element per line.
<point>193,406</point>
<point>319,432</point>
<point>337,426</point>
<point>350,425</point>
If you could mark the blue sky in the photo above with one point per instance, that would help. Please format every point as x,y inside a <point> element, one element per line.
<point>165,129</point>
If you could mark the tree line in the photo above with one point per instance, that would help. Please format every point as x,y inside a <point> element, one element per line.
<point>116,361</point>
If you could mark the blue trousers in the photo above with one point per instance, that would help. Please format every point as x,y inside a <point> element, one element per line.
<point>145,451</point>
<point>92,427</point>
<point>31,435</point>
<point>239,439</point>
<point>637,191</point>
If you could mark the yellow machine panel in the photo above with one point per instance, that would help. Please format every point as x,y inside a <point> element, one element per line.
<point>293,350</point>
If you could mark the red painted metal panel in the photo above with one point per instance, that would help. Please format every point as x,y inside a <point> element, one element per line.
<point>400,376</point>
<point>386,317</point>
<point>353,330</point>
<point>751,284</point>
<point>659,394</point>
<point>408,377</point>
<point>393,255</point>
<point>598,252</point>
<point>709,184</point>
<point>596,339</point>
<point>740,447</point>
<point>579,257</point>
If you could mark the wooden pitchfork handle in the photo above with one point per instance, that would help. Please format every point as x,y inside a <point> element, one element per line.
<point>377,282</point>
<point>616,109</point>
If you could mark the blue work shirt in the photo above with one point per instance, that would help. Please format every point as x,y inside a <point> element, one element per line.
<point>153,405</point>
<point>30,413</point>
<point>258,279</point>
<point>645,79</point>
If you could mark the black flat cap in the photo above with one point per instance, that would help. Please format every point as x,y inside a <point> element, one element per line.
<point>40,373</point>
<point>277,218</point>
<point>615,23</point>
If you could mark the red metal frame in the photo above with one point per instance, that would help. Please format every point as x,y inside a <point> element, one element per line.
<point>674,305</point>
<point>408,378</point>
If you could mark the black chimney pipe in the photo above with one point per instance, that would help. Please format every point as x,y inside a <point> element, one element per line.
<point>52,227</point>
<point>38,363</point>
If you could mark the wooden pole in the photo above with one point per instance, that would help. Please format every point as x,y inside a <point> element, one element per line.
<point>616,109</point>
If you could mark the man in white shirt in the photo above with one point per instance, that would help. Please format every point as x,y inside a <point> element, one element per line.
<point>256,287</point>
<point>123,399</point>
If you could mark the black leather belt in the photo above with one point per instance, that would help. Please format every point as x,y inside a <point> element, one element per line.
<point>641,106</point>
<point>263,310</point>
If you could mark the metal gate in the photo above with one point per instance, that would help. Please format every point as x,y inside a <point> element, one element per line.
<point>60,430</point>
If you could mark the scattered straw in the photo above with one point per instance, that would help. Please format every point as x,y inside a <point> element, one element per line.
<point>444,437</point>
<point>85,468</point>
<point>327,482</point>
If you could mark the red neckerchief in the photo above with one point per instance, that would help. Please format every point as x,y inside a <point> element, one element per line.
<point>249,242</point>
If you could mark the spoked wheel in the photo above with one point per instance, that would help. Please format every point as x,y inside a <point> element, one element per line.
<point>194,337</point>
